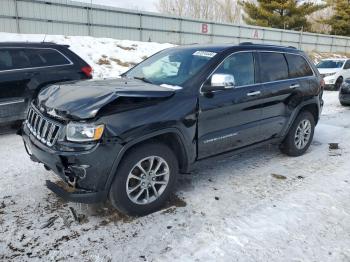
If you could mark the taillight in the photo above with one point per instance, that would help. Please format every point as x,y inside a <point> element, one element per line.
<point>87,70</point>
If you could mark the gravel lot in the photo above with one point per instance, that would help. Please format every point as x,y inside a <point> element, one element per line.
<point>256,206</point>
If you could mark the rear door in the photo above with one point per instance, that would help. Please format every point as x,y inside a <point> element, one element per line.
<point>13,80</point>
<point>229,119</point>
<point>282,76</point>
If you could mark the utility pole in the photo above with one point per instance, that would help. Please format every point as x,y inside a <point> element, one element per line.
<point>301,37</point>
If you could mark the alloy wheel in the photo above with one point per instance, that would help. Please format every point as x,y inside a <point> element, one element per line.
<point>147,180</point>
<point>303,134</point>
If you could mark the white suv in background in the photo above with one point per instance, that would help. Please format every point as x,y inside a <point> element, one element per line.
<point>334,71</point>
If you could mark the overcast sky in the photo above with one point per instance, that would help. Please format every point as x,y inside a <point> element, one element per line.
<point>143,5</point>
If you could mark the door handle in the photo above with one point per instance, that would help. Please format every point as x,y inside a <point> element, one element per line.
<point>294,86</point>
<point>254,93</point>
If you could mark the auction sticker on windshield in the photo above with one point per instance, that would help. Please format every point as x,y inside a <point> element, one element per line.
<point>204,53</point>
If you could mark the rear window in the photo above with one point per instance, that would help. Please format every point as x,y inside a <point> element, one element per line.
<point>17,58</point>
<point>273,66</point>
<point>298,67</point>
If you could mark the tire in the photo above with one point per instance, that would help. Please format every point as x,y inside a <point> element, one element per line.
<point>290,145</point>
<point>338,84</point>
<point>145,181</point>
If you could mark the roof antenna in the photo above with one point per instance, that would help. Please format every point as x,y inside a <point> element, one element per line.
<point>44,38</point>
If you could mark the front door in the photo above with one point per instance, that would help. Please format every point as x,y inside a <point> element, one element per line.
<point>229,119</point>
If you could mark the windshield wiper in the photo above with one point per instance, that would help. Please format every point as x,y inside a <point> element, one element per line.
<point>143,79</point>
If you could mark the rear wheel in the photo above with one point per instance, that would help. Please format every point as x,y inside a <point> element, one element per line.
<point>145,179</point>
<point>300,135</point>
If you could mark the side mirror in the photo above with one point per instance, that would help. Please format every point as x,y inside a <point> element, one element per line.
<point>219,82</point>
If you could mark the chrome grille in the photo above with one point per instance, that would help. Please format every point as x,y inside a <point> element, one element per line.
<point>44,129</point>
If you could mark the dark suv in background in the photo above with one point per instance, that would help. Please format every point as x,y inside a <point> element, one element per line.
<point>25,68</point>
<point>126,139</point>
<point>344,93</point>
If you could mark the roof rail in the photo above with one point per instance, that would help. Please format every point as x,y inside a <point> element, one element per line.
<point>263,44</point>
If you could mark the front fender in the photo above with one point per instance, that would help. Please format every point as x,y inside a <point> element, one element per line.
<point>188,153</point>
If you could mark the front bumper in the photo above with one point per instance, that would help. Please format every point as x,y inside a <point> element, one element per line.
<point>86,171</point>
<point>344,98</point>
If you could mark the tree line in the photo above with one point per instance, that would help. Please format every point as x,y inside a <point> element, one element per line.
<point>327,16</point>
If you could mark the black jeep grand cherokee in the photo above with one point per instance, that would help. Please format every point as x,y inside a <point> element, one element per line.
<point>126,139</point>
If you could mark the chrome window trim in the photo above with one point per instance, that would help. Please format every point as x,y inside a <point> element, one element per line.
<point>38,67</point>
<point>11,102</point>
<point>262,83</point>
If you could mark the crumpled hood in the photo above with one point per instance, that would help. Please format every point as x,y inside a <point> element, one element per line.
<point>83,99</point>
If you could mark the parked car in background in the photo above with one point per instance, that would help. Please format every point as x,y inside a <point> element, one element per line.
<point>334,71</point>
<point>126,139</point>
<point>26,68</point>
<point>344,93</point>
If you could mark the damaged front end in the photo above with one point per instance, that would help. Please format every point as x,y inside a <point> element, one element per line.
<point>66,131</point>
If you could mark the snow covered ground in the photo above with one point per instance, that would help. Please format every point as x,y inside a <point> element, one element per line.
<point>256,206</point>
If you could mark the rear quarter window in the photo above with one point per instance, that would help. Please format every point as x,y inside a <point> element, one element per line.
<point>26,58</point>
<point>298,66</point>
<point>273,66</point>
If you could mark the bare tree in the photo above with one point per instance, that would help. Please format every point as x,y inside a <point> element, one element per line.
<point>215,10</point>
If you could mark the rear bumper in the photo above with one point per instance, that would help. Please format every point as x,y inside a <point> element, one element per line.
<point>85,173</point>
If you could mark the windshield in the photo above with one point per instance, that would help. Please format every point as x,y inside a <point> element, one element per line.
<point>330,64</point>
<point>172,66</point>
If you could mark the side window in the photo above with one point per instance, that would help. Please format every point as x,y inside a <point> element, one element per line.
<point>273,67</point>
<point>347,65</point>
<point>19,59</point>
<point>46,57</point>
<point>5,60</point>
<point>298,67</point>
<point>241,66</point>
<point>35,59</point>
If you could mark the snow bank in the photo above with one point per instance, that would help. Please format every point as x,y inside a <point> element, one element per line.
<point>108,57</point>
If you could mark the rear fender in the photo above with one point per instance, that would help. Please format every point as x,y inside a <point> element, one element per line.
<point>314,101</point>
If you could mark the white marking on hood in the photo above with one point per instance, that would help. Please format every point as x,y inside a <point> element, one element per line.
<point>204,53</point>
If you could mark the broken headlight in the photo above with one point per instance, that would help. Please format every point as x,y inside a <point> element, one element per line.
<point>81,132</point>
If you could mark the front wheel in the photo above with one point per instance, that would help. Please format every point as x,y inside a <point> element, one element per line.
<point>300,135</point>
<point>145,179</point>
